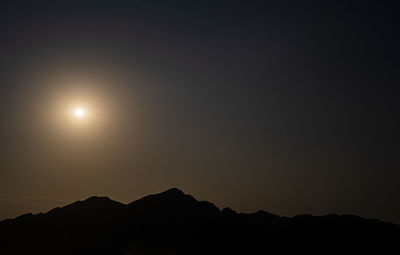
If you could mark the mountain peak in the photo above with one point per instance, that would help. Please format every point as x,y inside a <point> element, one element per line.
<point>91,205</point>
<point>170,196</point>
<point>173,192</point>
<point>173,206</point>
<point>97,198</point>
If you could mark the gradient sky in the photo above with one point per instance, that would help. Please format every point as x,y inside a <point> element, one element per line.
<point>287,107</point>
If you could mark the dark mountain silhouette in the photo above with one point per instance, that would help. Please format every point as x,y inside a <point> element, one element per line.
<point>176,223</point>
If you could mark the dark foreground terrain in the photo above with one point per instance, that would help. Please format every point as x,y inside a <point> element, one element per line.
<point>175,223</point>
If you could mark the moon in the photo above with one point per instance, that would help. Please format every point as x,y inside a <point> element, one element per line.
<point>79,112</point>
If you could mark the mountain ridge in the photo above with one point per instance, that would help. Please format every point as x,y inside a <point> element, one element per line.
<point>176,193</point>
<point>177,223</point>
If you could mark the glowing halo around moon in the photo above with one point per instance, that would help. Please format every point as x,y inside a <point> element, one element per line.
<point>79,108</point>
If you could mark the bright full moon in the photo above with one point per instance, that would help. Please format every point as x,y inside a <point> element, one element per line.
<point>79,112</point>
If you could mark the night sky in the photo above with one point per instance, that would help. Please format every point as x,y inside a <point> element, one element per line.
<point>290,107</point>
